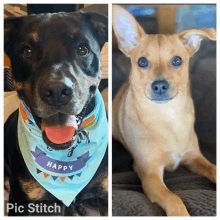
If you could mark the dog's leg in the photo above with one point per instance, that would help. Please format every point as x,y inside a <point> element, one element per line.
<point>75,210</point>
<point>103,206</point>
<point>157,192</point>
<point>200,165</point>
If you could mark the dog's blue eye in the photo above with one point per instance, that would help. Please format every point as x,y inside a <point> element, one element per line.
<point>143,62</point>
<point>176,61</point>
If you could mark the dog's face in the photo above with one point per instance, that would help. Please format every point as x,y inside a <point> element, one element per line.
<point>159,62</point>
<point>55,61</point>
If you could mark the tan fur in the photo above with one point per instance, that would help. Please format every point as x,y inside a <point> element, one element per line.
<point>34,36</point>
<point>32,188</point>
<point>105,184</point>
<point>22,86</point>
<point>159,136</point>
<point>7,184</point>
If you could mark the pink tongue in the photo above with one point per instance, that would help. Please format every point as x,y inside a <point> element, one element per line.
<point>59,135</point>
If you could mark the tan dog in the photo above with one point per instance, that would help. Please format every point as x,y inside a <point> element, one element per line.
<point>153,112</point>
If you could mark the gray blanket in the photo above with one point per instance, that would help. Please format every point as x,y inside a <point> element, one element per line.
<point>197,193</point>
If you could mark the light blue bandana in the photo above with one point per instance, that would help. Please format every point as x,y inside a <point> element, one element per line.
<point>64,173</point>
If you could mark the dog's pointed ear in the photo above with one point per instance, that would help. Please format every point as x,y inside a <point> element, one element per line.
<point>99,26</point>
<point>10,30</point>
<point>192,38</point>
<point>126,28</point>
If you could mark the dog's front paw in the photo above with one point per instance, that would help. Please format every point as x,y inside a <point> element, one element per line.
<point>213,174</point>
<point>103,207</point>
<point>178,212</point>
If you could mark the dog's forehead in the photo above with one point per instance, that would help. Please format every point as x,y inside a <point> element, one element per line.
<point>170,43</point>
<point>155,46</point>
<point>54,25</point>
<point>56,19</point>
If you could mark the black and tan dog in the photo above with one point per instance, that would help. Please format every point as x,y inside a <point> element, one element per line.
<point>55,63</point>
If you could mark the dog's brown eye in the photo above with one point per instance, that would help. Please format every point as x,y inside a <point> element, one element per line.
<point>82,50</point>
<point>27,52</point>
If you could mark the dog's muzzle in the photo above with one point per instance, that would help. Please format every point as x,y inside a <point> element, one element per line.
<point>160,92</point>
<point>56,93</point>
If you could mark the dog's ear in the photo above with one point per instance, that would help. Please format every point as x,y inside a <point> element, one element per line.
<point>99,26</point>
<point>11,25</point>
<point>192,38</point>
<point>126,28</point>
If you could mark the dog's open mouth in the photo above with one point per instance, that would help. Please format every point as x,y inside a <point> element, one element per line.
<point>59,135</point>
<point>59,131</point>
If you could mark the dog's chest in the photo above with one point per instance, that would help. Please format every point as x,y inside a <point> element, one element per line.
<point>174,159</point>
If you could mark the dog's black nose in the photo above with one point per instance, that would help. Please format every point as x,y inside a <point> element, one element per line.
<point>56,93</point>
<point>160,87</point>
